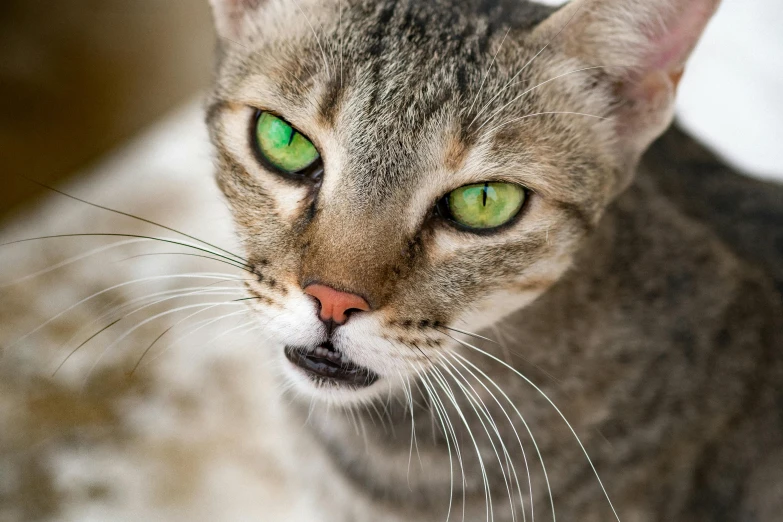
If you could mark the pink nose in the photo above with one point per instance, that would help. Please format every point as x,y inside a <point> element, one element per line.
<point>336,305</point>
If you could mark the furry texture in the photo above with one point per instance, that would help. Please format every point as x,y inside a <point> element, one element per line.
<point>403,108</point>
<point>637,296</point>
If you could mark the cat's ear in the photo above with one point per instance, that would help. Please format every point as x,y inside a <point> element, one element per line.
<point>231,16</point>
<point>643,44</point>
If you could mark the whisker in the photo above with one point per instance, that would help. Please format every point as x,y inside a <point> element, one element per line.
<point>471,334</point>
<point>232,41</point>
<point>451,460</point>
<point>443,417</point>
<point>230,263</point>
<point>200,325</point>
<point>409,403</point>
<point>531,89</point>
<point>70,261</point>
<point>317,39</point>
<point>143,220</point>
<point>527,428</point>
<point>176,293</point>
<point>560,413</point>
<point>158,338</point>
<point>487,491</point>
<point>93,336</point>
<point>115,287</point>
<point>513,427</point>
<point>486,73</point>
<point>127,304</point>
<point>524,67</point>
<point>495,129</point>
<point>253,322</point>
<point>481,410</point>
<point>71,354</point>
<point>247,268</point>
<point>508,353</point>
<point>342,42</point>
<point>129,332</point>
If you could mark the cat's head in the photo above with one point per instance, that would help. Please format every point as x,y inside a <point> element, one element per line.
<point>402,169</point>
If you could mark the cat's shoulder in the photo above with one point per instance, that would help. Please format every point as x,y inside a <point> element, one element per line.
<point>745,213</point>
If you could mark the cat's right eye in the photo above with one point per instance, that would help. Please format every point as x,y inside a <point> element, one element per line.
<point>283,147</point>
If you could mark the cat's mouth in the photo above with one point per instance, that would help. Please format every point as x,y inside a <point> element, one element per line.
<point>326,364</point>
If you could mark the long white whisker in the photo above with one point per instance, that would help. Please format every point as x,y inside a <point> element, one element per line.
<point>513,78</point>
<point>377,412</point>
<point>513,427</point>
<point>205,323</point>
<point>235,264</point>
<point>409,400</point>
<point>115,287</point>
<point>527,428</point>
<point>70,261</point>
<point>471,334</point>
<point>138,218</point>
<point>140,325</point>
<point>167,240</point>
<point>178,294</point>
<point>486,74</point>
<point>112,308</point>
<point>170,328</point>
<point>511,423</point>
<point>253,322</point>
<point>481,410</point>
<point>531,89</point>
<point>560,413</point>
<point>495,129</point>
<point>317,39</point>
<point>487,490</point>
<point>342,43</point>
<point>443,417</point>
<point>202,324</point>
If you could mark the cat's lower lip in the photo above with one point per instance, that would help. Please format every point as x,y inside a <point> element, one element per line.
<point>325,363</point>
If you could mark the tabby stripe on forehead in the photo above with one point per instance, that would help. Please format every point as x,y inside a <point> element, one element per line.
<point>377,50</point>
<point>330,104</point>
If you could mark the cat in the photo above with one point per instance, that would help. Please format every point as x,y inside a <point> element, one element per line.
<point>493,282</point>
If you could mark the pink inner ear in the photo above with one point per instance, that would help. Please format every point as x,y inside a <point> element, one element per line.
<point>229,14</point>
<point>670,50</point>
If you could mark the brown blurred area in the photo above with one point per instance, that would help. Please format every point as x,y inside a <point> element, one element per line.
<point>78,77</point>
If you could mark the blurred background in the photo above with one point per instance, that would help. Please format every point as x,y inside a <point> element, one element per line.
<point>80,77</point>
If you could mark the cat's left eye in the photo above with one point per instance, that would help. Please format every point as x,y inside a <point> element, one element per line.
<point>483,206</point>
<point>282,146</point>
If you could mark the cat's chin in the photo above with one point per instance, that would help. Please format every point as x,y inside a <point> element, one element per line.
<point>326,373</point>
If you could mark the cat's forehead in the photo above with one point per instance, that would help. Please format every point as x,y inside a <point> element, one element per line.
<point>398,89</point>
<point>391,55</point>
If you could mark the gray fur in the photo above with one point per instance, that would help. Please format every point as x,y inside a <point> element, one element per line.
<point>661,341</point>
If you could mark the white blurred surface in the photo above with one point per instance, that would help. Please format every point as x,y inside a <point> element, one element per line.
<point>732,93</point>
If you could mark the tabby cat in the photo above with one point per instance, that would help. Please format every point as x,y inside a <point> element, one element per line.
<point>483,290</point>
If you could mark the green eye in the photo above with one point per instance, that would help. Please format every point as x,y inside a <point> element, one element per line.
<point>283,146</point>
<point>486,205</point>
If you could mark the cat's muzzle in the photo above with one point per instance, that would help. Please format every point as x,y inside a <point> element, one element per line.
<point>325,364</point>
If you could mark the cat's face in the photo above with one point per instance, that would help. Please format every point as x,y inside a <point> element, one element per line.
<point>399,170</point>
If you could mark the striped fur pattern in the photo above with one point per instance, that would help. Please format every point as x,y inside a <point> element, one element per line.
<point>598,296</point>
<point>611,354</point>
